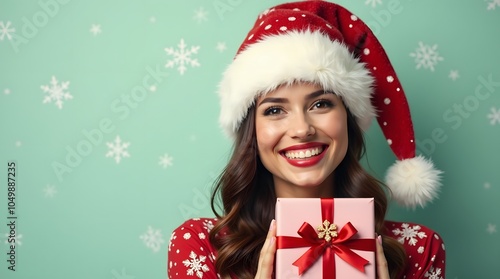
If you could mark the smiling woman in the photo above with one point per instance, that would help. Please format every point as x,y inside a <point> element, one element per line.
<point>305,84</point>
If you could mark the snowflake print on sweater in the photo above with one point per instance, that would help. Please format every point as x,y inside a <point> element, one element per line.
<point>191,255</point>
<point>196,265</point>
<point>409,234</point>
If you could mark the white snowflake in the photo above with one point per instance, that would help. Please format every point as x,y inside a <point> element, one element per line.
<point>50,191</point>
<point>17,239</point>
<point>454,75</point>
<point>95,29</point>
<point>208,225</point>
<point>118,149</point>
<point>420,249</point>
<point>426,56</point>
<point>433,274</point>
<point>6,30</point>
<point>409,233</point>
<point>152,239</point>
<point>200,15</point>
<point>201,236</point>
<point>56,92</point>
<point>494,116</point>
<point>165,161</point>
<point>186,236</point>
<point>221,46</point>
<point>491,229</point>
<point>493,4</point>
<point>172,238</point>
<point>182,56</point>
<point>196,265</point>
<point>373,2</point>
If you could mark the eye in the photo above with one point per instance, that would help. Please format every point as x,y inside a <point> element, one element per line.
<point>273,111</point>
<point>321,104</point>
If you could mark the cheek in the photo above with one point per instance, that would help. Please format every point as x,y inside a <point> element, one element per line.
<point>267,136</point>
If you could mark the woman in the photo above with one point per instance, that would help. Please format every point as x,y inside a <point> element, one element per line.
<point>305,83</point>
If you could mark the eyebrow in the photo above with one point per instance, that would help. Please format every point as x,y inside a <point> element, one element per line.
<point>310,96</point>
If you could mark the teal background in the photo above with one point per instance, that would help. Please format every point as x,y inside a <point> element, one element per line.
<point>82,215</point>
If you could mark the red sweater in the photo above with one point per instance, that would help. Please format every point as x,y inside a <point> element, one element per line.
<point>190,254</point>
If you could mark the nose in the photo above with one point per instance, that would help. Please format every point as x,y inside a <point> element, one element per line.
<point>301,127</point>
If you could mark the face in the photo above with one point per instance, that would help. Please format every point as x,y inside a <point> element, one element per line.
<point>302,137</point>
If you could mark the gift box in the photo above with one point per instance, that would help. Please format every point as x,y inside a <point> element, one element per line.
<point>325,238</point>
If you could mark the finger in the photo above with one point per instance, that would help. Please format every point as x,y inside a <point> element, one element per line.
<point>266,258</point>
<point>382,268</point>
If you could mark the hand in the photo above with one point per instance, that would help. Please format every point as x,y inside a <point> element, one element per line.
<point>382,269</point>
<point>266,258</point>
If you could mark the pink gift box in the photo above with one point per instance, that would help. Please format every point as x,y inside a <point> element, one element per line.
<point>291,213</point>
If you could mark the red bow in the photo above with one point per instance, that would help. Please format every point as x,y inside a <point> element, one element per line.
<point>341,245</point>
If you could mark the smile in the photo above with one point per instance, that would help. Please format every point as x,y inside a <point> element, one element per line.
<point>304,155</point>
<point>301,154</point>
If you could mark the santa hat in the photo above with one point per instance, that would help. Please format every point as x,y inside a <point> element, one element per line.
<point>323,43</point>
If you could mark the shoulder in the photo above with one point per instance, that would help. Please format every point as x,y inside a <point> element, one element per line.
<point>193,230</point>
<point>424,247</point>
<point>201,225</point>
<point>190,251</point>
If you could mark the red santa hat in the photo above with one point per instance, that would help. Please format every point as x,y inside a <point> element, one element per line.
<point>323,43</point>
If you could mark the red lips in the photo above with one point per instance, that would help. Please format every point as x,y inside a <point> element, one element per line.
<point>305,162</point>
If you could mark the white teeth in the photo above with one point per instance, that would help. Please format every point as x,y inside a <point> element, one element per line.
<point>304,153</point>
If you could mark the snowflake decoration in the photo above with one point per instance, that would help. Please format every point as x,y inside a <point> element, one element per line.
<point>6,91</point>
<point>494,116</point>
<point>182,56</point>
<point>152,239</point>
<point>56,93</point>
<point>327,230</point>
<point>50,191</point>
<point>433,274</point>
<point>421,249</point>
<point>493,4</point>
<point>118,149</point>
<point>491,229</point>
<point>95,29</point>
<point>208,225</point>
<point>221,46</point>
<point>196,265</point>
<point>426,56</point>
<point>6,30</point>
<point>152,88</point>
<point>200,15</point>
<point>123,274</point>
<point>453,75</point>
<point>374,3</point>
<point>165,161</point>
<point>409,233</point>
<point>17,239</point>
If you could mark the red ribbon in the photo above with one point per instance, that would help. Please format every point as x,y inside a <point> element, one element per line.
<point>341,245</point>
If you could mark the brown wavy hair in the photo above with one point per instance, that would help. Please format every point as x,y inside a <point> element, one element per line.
<point>245,189</point>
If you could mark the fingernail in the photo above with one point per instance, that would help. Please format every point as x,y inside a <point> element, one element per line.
<point>379,239</point>
<point>271,226</point>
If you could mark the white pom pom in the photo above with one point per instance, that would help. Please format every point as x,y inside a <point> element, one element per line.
<point>413,181</point>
